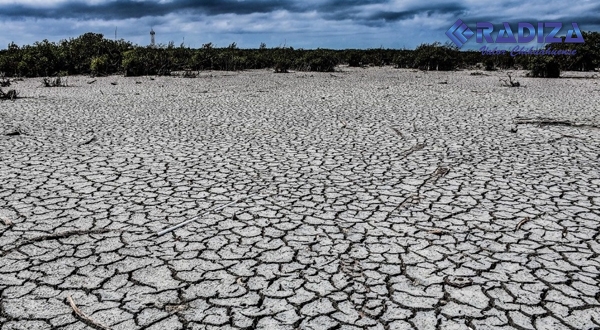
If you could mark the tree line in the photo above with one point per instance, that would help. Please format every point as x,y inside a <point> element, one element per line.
<point>93,54</point>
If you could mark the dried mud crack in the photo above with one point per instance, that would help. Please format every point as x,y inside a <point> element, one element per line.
<point>394,207</point>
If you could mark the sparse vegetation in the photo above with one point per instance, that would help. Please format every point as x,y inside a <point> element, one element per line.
<point>544,67</point>
<point>54,82</point>
<point>92,54</point>
<point>10,95</point>
<point>510,82</point>
<point>4,82</point>
<point>189,74</point>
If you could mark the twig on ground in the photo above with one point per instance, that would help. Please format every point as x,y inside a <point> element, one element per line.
<point>170,229</point>
<point>397,131</point>
<point>522,222</point>
<point>88,141</point>
<point>414,148</point>
<point>83,317</point>
<point>91,82</point>
<point>550,122</point>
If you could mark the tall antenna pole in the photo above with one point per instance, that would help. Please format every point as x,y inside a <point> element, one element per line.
<point>152,33</point>
<point>115,33</point>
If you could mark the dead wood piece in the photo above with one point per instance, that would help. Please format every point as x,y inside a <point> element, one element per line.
<point>458,282</point>
<point>113,83</point>
<point>93,139</point>
<point>397,131</point>
<point>67,234</point>
<point>13,133</point>
<point>176,308</point>
<point>510,82</point>
<point>10,95</point>
<point>441,171</point>
<point>7,221</point>
<point>438,232</point>
<point>522,222</point>
<point>83,317</point>
<point>414,148</point>
<point>91,82</point>
<point>550,122</point>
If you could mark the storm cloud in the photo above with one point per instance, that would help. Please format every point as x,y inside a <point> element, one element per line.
<point>307,24</point>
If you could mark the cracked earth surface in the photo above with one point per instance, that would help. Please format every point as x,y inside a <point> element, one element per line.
<point>386,201</point>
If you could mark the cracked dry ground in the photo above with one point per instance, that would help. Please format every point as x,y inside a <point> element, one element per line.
<point>387,201</point>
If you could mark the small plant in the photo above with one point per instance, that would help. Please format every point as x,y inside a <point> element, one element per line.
<point>189,74</point>
<point>4,82</point>
<point>54,82</point>
<point>10,95</point>
<point>282,65</point>
<point>490,65</point>
<point>509,82</point>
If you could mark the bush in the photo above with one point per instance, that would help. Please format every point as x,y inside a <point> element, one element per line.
<point>54,82</point>
<point>543,67</point>
<point>355,59</point>
<point>282,66</point>
<point>99,64</point>
<point>318,60</point>
<point>436,57</point>
<point>405,59</point>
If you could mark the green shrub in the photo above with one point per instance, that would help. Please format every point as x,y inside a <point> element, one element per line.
<point>99,64</point>
<point>543,67</point>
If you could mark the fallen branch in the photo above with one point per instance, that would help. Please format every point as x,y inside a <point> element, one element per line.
<point>397,131</point>
<point>88,141</point>
<point>84,318</point>
<point>10,95</point>
<point>170,229</point>
<point>414,148</point>
<point>67,234</point>
<point>56,236</point>
<point>522,222</point>
<point>510,82</point>
<point>91,82</point>
<point>550,122</point>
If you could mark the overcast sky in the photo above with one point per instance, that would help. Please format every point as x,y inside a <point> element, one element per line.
<point>298,23</point>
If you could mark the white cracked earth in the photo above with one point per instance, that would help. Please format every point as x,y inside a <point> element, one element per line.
<point>385,199</point>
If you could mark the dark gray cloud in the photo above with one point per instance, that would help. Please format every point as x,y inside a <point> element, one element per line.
<point>428,11</point>
<point>348,23</point>
<point>123,9</point>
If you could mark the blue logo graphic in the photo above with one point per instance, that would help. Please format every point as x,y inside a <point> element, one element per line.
<point>459,33</point>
